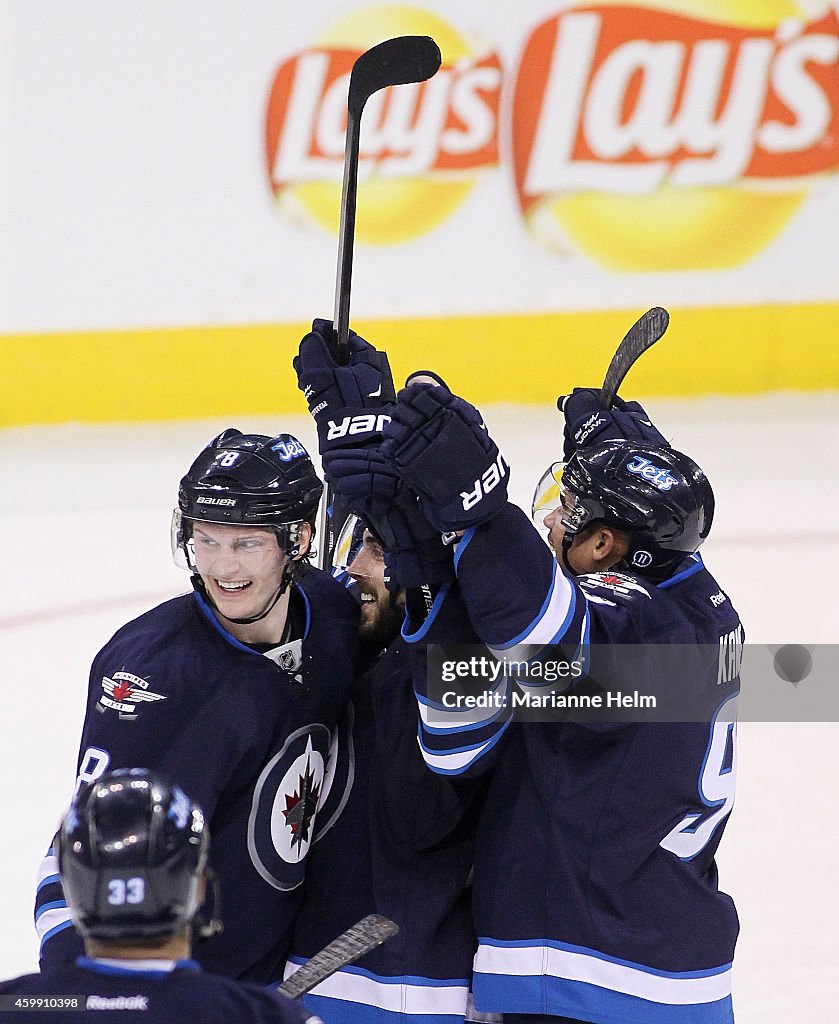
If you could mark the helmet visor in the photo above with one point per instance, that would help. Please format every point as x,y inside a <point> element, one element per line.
<point>551,494</point>
<point>181,542</point>
<point>350,539</point>
<point>548,493</point>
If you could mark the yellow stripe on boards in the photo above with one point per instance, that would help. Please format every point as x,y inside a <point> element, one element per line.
<point>197,372</point>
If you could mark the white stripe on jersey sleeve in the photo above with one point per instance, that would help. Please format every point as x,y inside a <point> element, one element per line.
<point>52,919</point>
<point>553,618</point>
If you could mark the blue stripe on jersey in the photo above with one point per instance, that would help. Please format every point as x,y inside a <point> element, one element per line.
<point>568,947</point>
<point>217,626</point>
<point>49,880</point>
<point>698,566</point>
<point>463,544</point>
<point>449,730</point>
<point>305,597</point>
<point>354,996</point>
<point>444,757</point>
<point>582,1000</point>
<point>558,579</point>
<point>450,720</point>
<point>342,1011</point>
<point>54,931</point>
<point>97,967</point>
<point>384,979</point>
<point>53,905</point>
<point>549,977</point>
<point>413,638</point>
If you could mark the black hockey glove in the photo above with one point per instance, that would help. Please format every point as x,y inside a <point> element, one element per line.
<point>414,551</point>
<point>587,423</point>
<point>350,404</point>
<point>443,451</point>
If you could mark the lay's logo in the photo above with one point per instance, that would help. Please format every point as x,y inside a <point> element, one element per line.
<point>641,136</point>
<point>421,144</point>
<point>651,140</point>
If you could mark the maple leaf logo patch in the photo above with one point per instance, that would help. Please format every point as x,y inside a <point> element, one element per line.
<point>123,692</point>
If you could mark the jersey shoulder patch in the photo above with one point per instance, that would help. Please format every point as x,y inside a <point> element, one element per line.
<point>614,587</point>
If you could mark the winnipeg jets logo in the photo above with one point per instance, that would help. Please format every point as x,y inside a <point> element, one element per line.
<point>283,821</point>
<point>123,692</point>
<point>656,475</point>
<point>300,806</point>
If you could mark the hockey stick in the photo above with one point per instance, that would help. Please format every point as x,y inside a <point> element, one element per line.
<point>397,61</point>
<point>366,934</point>
<point>643,334</point>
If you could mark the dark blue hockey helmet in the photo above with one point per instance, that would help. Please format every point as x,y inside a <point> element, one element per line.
<point>657,495</point>
<point>248,480</point>
<point>132,850</point>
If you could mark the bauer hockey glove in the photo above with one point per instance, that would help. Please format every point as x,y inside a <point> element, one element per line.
<point>443,451</point>
<point>414,552</point>
<point>350,404</point>
<point>587,422</point>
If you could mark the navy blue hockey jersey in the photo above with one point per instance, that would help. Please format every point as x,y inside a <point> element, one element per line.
<point>595,889</point>
<point>403,847</point>
<point>155,992</point>
<point>247,735</point>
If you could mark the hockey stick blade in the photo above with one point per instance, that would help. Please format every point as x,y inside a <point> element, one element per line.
<point>397,61</point>
<point>643,334</point>
<point>369,932</point>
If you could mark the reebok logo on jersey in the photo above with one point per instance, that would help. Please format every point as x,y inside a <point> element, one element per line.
<point>123,692</point>
<point>117,1003</point>
<point>485,483</point>
<point>718,599</point>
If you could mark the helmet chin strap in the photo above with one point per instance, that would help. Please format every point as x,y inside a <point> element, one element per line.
<point>567,541</point>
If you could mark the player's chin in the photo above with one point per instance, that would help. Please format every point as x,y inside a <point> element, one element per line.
<point>368,615</point>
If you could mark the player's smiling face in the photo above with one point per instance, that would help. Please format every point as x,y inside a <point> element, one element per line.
<point>380,619</point>
<point>241,566</point>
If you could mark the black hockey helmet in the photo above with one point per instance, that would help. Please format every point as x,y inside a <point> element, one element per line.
<point>658,495</point>
<point>250,480</point>
<point>131,853</point>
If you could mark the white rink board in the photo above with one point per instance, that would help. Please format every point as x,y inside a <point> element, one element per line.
<point>137,191</point>
<point>85,515</point>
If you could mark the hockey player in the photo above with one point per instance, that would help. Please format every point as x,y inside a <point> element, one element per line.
<point>404,844</point>
<point>595,891</point>
<point>132,856</point>
<point>234,689</point>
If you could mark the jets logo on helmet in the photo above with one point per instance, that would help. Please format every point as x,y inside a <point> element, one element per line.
<point>657,476</point>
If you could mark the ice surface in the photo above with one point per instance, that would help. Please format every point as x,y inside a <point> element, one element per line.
<point>85,519</point>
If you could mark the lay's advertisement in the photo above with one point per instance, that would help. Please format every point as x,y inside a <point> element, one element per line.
<point>176,171</point>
